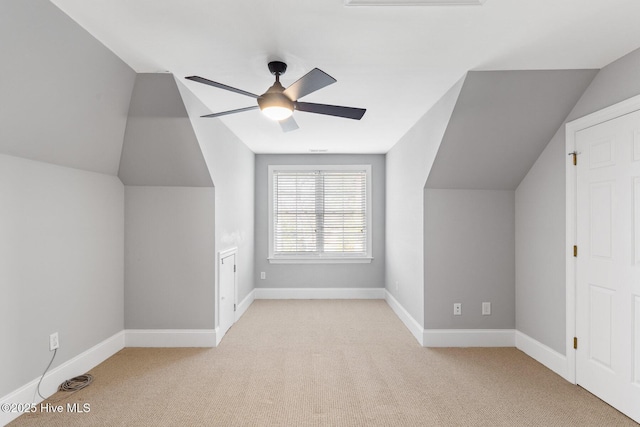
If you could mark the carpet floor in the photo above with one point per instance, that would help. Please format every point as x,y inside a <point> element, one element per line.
<point>326,363</point>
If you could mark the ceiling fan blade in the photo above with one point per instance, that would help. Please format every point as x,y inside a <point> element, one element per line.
<point>331,110</point>
<point>310,82</point>
<point>220,86</point>
<point>288,125</point>
<point>224,113</point>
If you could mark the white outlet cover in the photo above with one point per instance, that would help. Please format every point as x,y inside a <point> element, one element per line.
<point>54,343</point>
<point>457,309</point>
<point>486,308</point>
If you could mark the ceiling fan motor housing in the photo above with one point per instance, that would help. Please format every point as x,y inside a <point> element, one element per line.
<point>274,97</point>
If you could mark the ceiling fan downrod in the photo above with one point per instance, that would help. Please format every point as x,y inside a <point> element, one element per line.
<point>274,103</point>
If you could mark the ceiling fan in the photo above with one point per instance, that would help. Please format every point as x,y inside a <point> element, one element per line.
<point>278,103</point>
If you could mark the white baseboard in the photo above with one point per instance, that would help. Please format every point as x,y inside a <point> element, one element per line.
<point>319,293</point>
<point>183,337</point>
<point>171,338</point>
<point>546,355</point>
<point>469,338</point>
<point>240,310</point>
<point>244,304</point>
<point>219,336</point>
<point>412,324</point>
<point>78,365</point>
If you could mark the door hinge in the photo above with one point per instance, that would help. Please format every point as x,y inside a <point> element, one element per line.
<point>234,307</point>
<point>575,343</point>
<point>575,250</point>
<point>575,157</point>
<point>234,268</point>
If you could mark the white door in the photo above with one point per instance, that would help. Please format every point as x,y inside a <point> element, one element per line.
<point>227,301</point>
<point>608,262</point>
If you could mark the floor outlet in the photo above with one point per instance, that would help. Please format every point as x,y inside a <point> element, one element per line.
<point>54,343</point>
<point>457,309</point>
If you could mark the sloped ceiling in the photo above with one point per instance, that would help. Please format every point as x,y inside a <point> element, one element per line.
<point>63,95</point>
<point>160,147</point>
<point>395,61</point>
<point>501,123</point>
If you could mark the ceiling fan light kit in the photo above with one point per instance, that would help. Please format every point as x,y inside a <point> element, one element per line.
<point>274,103</point>
<point>277,113</point>
<point>278,103</point>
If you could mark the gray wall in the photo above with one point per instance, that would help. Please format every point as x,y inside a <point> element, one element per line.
<point>160,147</point>
<point>469,258</point>
<point>64,101</point>
<point>232,167</point>
<point>320,275</point>
<point>169,258</point>
<point>65,96</point>
<point>169,213</point>
<point>540,248</point>
<point>501,123</point>
<point>407,167</point>
<point>541,218</point>
<point>61,264</point>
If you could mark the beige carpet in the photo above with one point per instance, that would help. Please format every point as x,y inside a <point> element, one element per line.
<point>327,363</point>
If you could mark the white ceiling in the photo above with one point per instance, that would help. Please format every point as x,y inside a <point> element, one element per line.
<point>394,61</point>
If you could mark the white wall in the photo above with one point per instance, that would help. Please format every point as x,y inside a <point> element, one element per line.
<point>61,264</point>
<point>407,167</point>
<point>541,218</point>
<point>320,275</point>
<point>169,258</point>
<point>469,258</point>
<point>232,167</point>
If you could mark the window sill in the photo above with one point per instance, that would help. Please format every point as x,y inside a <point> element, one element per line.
<point>319,260</point>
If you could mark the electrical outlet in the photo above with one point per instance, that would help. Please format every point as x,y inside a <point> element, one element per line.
<point>486,308</point>
<point>54,343</point>
<point>263,275</point>
<point>457,309</point>
<point>397,285</point>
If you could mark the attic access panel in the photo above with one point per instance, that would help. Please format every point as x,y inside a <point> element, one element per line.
<point>414,2</point>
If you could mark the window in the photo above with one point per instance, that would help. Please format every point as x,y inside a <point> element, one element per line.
<point>320,213</point>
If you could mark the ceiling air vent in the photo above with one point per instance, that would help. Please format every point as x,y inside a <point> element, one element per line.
<point>414,2</point>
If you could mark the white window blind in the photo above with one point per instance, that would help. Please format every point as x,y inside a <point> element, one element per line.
<point>320,213</point>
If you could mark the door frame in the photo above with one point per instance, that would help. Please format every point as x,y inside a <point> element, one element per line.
<point>609,113</point>
<point>221,256</point>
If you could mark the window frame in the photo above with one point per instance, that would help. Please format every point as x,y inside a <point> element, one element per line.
<point>320,258</point>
